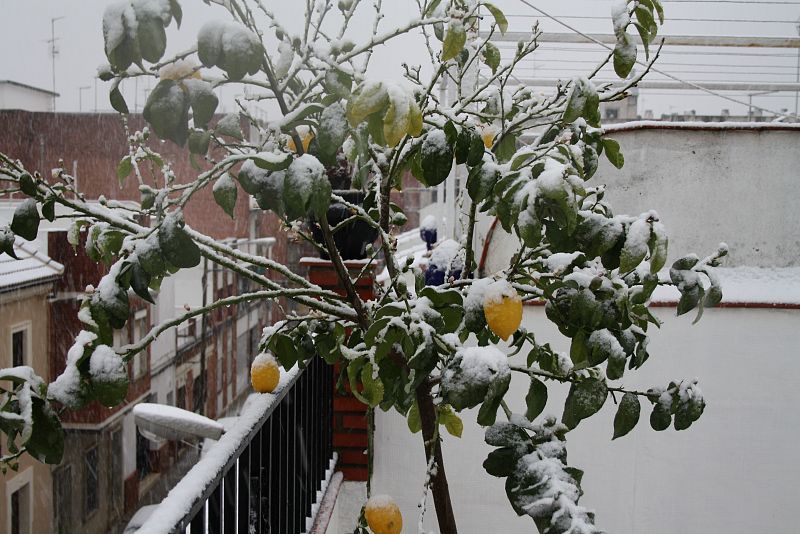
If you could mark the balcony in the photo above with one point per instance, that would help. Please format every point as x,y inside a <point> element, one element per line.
<point>267,473</point>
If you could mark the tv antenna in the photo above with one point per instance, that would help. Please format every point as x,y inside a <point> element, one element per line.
<point>53,54</point>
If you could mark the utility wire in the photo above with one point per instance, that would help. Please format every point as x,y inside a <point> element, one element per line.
<point>653,69</point>
<point>793,67</point>
<point>598,17</point>
<point>546,47</point>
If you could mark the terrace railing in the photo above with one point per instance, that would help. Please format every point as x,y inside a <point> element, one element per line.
<point>267,472</point>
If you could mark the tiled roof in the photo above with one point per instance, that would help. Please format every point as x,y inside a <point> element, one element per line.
<point>32,268</point>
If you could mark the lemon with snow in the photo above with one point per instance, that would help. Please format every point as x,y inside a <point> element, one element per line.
<point>488,133</point>
<point>502,308</point>
<point>306,136</point>
<point>264,373</point>
<point>383,515</point>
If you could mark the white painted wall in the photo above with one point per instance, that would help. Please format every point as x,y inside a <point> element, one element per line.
<point>732,472</point>
<point>13,96</point>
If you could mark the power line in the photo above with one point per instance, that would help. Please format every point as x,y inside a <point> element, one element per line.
<point>675,78</point>
<point>672,19</point>
<point>662,63</point>
<point>748,2</point>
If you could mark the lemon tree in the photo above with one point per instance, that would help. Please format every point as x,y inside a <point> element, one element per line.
<point>428,352</point>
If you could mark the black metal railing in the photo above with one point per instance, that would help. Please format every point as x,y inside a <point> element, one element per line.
<point>264,474</point>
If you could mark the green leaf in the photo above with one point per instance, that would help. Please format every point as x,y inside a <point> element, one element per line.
<point>635,248</point>
<point>576,102</point>
<point>506,149</point>
<point>414,422</point>
<point>584,400</point>
<point>627,415</point>
<point>454,40</point>
<point>178,248</point>
<point>660,418</point>
<point>229,126</point>
<point>202,100</point>
<point>27,185</point>
<point>373,386</point>
<point>225,192</point>
<point>124,169</point>
<point>306,188</point>
<point>117,100</point>
<point>368,98</point>
<point>272,161</point>
<point>432,5</point>
<point>177,12</point>
<point>25,222</point>
<point>140,283</point>
<point>47,440</point>
<point>613,153</point>
<point>397,119</point>
<point>499,17</point>
<point>659,242</point>
<point>624,55</point>
<point>497,390</point>
<point>436,158</point>
<point>536,399</point>
<point>49,209</point>
<point>491,56</point>
<point>150,34</point>
<point>501,462</point>
<point>199,141</point>
<point>167,111</point>
<point>331,133</point>
<point>7,242</point>
<point>452,422</point>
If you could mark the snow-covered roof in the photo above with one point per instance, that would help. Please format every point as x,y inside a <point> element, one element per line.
<point>32,268</point>
<point>748,286</point>
<point>696,125</point>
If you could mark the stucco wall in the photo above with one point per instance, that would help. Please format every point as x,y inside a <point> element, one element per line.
<point>27,306</point>
<point>739,186</point>
<point>732,472</point>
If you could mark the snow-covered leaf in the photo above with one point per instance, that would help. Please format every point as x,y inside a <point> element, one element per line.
<point>627,415</point>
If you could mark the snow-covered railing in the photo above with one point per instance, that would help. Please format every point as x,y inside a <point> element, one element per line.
<point>266,472</point>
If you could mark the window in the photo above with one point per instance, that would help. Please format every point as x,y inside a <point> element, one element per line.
<point>20,510</point>
<point>20,344</point>
<point>140,328</point>
<point>62,500</point>
<point>91,482</point>
<point>116,471</point>
<point>612,114</point>
<point>143,466</point>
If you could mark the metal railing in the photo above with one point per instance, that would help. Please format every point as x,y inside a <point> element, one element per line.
<point>266,473</point>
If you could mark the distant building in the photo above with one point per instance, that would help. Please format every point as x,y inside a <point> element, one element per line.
<point>109,470</point>
<point>25,285</point>
<point>15,95</point>
<point>624,110</point>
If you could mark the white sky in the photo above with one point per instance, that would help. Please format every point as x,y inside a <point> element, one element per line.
<point>25,29</point>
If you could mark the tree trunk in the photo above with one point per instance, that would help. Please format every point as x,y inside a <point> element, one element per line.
<point>439,488</point>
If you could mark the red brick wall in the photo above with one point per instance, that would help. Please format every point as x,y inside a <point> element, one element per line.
<point>350,437</point>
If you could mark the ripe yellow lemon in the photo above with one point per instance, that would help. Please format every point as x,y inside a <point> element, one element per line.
<point>488,134</point>
<point>264,373</point>
<point>306,135</point>
<point>383,515</point>
<point>502,308</point>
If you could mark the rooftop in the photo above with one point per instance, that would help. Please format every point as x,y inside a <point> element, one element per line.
<point>32,268</point>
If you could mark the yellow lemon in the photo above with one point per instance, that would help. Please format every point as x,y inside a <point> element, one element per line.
<point>502,308</point>
<point>306,135</point>
<point>264,373</point>
<point>488,134</point>
<point>383,515</point>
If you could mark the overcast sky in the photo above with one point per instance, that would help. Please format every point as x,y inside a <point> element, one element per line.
<point>25,29</point>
